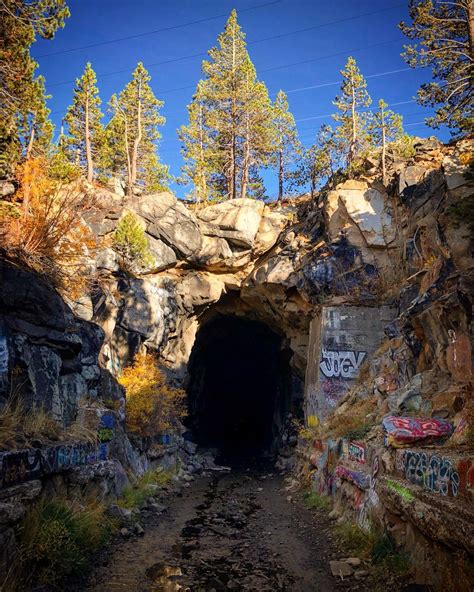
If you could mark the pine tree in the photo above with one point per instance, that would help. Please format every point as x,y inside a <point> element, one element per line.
<point>319,160</point>
<point>133,132</point>
<point>232,112</point>
<point>353,96</point>
<point>20,23</point>
<point>446,34</point>
<point>83,118</point>
<point>385,126</point>
<point>257,133</point>
<point>195,141</point>
<point>287,144</point>
<point>34,126</point>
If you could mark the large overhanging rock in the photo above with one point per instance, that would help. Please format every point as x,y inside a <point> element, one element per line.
<point>271,225</point>
<point>169,220</point>
<point>360,212</point>
<point>236,220</point>
<point>216,254</point>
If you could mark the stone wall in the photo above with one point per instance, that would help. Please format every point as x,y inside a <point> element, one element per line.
<point>342,339</point>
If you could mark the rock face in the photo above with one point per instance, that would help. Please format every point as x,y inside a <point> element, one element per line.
<point>362,213</point>
<point>358,246</point>
<point>169,220</point>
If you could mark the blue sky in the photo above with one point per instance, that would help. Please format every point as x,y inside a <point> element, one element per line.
<point>305,64</point>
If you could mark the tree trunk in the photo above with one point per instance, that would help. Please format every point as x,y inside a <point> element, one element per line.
<point>384,147</point>
<point>280,175</point>
<point>29,148</point>
<point>129,164</point>
<point>470,19</point>
<point>138,138</point>
<point>313,186</point>
<point>246,160</point>
<point>352,148</point>
<point>90,164</point>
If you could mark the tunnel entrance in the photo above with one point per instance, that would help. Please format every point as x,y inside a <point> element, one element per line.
<point>239,388</point>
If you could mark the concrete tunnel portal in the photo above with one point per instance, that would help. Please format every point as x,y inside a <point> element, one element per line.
<point>239,388</point>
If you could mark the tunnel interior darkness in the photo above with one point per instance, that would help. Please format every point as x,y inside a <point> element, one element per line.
<point>239,387</point>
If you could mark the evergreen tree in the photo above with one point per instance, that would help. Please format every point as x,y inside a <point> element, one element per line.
<point>446,34</point>
<point>287,144</point>
<point>20,23</point>
<point>35,129</point>
<point>195,141</point>
<point>385,126</point>
<point>83,118</point>
<point>133,134</point>
<point>352,124</point>
<point>319,161</point>
<point>257,133</point>
<point>232,114</point>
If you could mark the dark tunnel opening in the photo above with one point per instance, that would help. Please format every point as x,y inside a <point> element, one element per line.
<point>239,388</point>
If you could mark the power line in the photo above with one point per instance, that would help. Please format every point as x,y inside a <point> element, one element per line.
<point>293,90</point>
<point>358,110</point>
<point>195,55</point>
<point>145,34</point>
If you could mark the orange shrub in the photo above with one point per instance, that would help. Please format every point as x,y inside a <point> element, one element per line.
<point>45,230</point>
<point>152,405</point>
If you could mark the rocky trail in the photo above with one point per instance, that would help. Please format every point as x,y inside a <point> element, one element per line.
<point>237,531</point>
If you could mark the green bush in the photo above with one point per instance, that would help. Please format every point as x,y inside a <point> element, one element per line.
<point>315,501</point>
<point>354,539</point>
<point>130,242</point>
<point>404,146</point>
<point>135,495</point>
<point>58,538</point>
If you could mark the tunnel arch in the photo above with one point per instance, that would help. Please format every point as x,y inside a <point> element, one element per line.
<point>239,387</point>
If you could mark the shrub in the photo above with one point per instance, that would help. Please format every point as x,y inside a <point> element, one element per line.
<point>152,405</point>
<point>130,242</point>
<point>316,502</point>
<point>47,233</point>
<point>354,539</point>
<point>58,537</point>
<point>135,495</point>
<point>404,147</point>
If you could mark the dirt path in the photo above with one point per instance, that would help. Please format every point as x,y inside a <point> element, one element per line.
<point>231,532</point>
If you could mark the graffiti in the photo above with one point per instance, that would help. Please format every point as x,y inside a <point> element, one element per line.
<point>106,427</point>
<point>372,499</point>
<point>24,465</point>
<point>341,364</point>
<point>402,491</point>
<point>360,480</point>
<point>434,473</point>
<point>332,390</point>
<point>402,431</point>
<point>3,355</point>
<point>357,452</point>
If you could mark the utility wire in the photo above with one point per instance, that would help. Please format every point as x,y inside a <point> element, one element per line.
<point>195,55</point>
<point>293,90</point>
<point>146,33</point>
<point>358,110</point>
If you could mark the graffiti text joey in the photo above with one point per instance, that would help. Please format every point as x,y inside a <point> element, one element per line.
<point>341,364</point>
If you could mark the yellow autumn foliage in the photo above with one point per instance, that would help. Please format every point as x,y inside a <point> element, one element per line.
<point>152,404</point>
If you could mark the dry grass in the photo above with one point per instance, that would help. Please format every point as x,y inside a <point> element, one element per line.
<point>20,428</point>
<point>10,419</point>
<point>355,422</point>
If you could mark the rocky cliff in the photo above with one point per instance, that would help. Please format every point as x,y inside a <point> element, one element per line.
<point>369,288</point>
